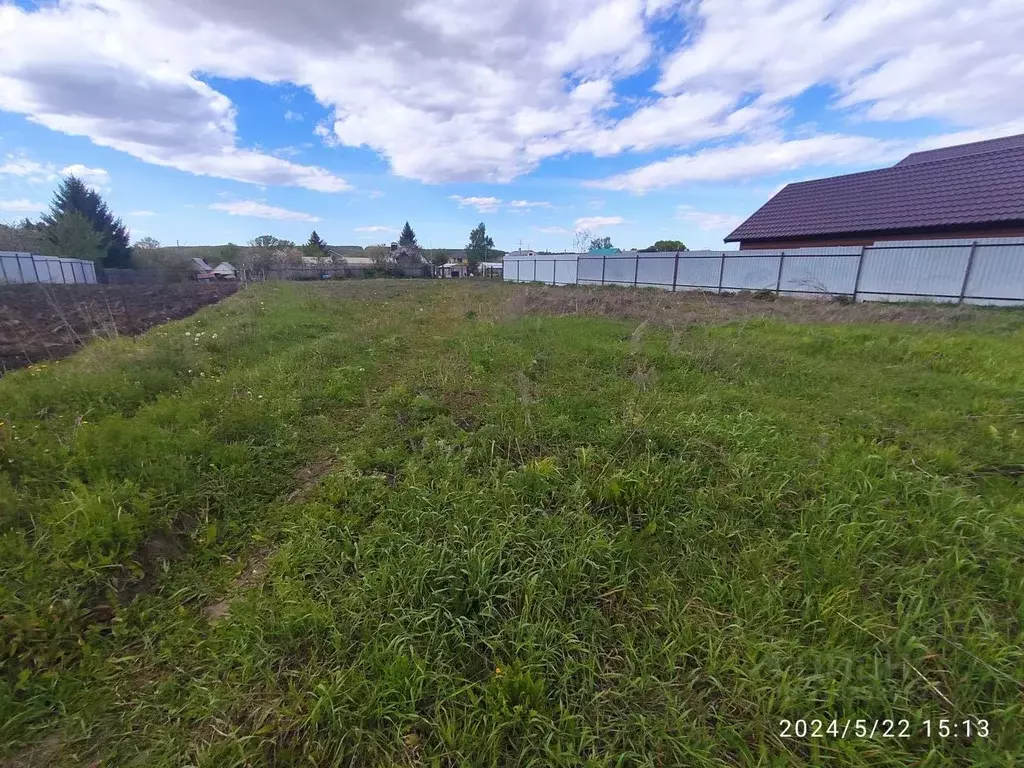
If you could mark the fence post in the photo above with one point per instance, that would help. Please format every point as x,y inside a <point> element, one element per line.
<point>604,261</point>
<point>778,280</point>
<point>3,270</point>
<point>35,268</point>
<point>856,280</point>
<point>636,268</point>
<point>675,273</point>
<point>554,272</point>
<point>21,272</point>
<point>967,272</point>
<point>721,271</point>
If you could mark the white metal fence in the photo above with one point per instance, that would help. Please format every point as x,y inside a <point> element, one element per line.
<point>988,271</point>
<point>33,268</point>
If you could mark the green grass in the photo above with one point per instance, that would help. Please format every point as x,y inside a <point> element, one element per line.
<point>451,535</point>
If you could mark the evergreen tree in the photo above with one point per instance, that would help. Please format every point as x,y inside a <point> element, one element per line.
<point>73,196</point>
<point>315,246</point>
<point>315,239</point>
<point>72,235</point>
<point>408,237</point>
<point>480,244</point>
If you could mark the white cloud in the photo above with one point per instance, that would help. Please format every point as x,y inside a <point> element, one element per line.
<point>596,223</point>
<point>454,90</point>
<point>22,206</point>
<point>94,177</point>
<point>554,230</point>
<point>708,221</point>
<point>262,211</point>
<point>290,115</point>
<point>943,59</point>
<point>21,166</point>
<point>142,213</point>
<point>745,160</point>
<point>525,205</point>
<point>774,156</point>
<point>375,194</point>
<point>67,67</point>
<point>375,228</point>
<point>405,78</point>
<point>482,204</point>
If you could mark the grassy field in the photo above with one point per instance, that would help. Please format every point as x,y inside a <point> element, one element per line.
<point>414,523</point>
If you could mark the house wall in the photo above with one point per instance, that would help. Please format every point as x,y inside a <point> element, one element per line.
<point>868,238</point>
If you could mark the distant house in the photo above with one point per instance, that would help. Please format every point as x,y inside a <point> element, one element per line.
<point>408,255</point>
<point>225,271</point>
<point>341,251</point>
<point>201,270</point>
<point>456,266</point>
<point>356,261</point>
<point>967,191</point>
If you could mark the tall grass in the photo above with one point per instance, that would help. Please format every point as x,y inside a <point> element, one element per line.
<point>390,524</point>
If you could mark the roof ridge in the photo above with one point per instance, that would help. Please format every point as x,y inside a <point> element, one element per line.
<point>839,176</point>
<point>987,151</point>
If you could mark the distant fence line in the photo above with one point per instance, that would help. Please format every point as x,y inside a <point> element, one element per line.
<point>339,272</point>
<point>21,268</point>
<point>986,271</point>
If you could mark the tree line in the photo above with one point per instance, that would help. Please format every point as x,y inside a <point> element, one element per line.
<point>80,224</point>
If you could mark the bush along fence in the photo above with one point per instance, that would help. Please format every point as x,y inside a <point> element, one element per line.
<point>986,271</point>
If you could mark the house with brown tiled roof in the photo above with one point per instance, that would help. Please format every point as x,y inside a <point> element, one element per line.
<point>967,191</point>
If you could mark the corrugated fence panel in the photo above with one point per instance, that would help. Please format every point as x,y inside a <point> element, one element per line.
<point>750,273</point>
<point>510,271</point>
<point>589,270</point>
<point>28,268</point>
<point>33,268</point>
<point>42,269</point>
<point>699,272</point>
<point>527,271</point>
<point>656,271</point>
<point>565,272</point>
<point>619,269</point>
<point>9,269</point>
<point>819,274</point>
<point>545,271</point>
<point>56,270</point>
<point>997,273</point>
<point>933,272</point>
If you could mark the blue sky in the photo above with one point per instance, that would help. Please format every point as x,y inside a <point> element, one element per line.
<point>207,121</point>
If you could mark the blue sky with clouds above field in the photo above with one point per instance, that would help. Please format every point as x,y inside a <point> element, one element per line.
<point>204,121</point>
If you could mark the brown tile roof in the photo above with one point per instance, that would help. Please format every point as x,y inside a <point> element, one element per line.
<point>957,186</point>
